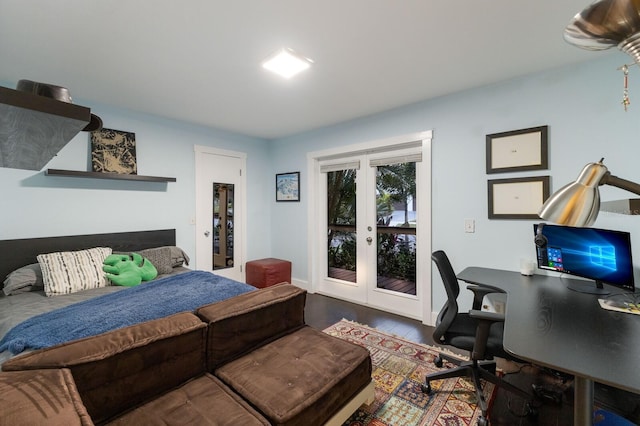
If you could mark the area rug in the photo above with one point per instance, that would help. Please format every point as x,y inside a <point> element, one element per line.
<point>399,368</point>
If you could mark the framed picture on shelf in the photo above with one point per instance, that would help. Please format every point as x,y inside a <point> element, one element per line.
<point>518,150</point>
<point>288,186</point>
<point>517,198</point>
<point>113,151</point>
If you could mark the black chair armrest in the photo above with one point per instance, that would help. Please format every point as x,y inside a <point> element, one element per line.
<point>485,320</point>
<point>478,294</point>
<point>486,316</point>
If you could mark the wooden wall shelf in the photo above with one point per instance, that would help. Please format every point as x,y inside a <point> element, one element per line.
<point>104,175</point>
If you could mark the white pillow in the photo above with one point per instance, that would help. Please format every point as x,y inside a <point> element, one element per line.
<point>71,271</point>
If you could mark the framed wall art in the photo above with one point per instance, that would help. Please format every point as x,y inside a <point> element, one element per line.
<point>517,198</point>
<point>113,151</point>
<point>518,150</point>
<point>288,186</point>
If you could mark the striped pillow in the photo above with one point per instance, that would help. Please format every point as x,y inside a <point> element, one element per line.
<point>71,271</point>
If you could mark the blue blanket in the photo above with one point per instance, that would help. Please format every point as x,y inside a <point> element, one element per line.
<point>156,299</point>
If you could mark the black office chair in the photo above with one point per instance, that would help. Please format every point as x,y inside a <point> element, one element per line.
<point>478,332</point>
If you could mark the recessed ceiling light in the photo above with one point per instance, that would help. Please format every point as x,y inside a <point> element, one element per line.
<point>286,63</point>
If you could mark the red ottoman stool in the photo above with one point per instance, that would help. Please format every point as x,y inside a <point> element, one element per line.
<point>265,272</point>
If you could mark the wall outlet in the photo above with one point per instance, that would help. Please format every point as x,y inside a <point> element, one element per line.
<point>469,226</point>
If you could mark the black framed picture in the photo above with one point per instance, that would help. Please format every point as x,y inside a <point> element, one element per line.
<point>518,150</point>
<point>517,198</point>
<point>288,186</point>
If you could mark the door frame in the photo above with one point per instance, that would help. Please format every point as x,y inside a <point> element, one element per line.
<point>423,234</point>
<point>240,216</point>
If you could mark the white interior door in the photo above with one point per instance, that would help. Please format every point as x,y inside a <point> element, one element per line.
<point>220,211</point>
<point>373,222</point>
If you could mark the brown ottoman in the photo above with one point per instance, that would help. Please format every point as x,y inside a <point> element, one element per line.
<point>266,272</point>
<point>300,378</point>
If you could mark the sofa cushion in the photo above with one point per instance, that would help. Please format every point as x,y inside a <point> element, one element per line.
<point>120,369</point>
<point>243,323</point>
<point>301,378</point>
<point>202,401</point>
<point>41,397</point>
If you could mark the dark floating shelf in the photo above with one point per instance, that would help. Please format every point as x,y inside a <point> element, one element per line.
<point>629,206</point>
<point>104,175</point>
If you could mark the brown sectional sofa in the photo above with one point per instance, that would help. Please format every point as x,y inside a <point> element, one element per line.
<point>248,360</point>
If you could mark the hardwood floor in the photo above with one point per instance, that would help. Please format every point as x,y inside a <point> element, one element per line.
<point>322,311</point>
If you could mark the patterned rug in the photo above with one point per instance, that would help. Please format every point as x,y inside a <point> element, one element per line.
<point>399,368</point>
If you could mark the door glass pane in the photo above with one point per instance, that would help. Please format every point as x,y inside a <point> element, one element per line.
<point>222,225</point>
<point>396,227</point>
<point>341,224</point>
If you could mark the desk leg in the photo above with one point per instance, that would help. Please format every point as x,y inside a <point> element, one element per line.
<point>582,401</point>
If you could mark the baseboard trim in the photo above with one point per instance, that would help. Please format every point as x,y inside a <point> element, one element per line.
<point>302,284</point>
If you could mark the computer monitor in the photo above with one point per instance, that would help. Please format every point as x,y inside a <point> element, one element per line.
<point>601,255</point>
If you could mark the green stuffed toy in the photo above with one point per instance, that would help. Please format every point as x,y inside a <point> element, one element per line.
<point>128,270</point>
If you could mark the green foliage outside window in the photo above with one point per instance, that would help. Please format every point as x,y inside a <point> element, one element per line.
<point>396,252</point>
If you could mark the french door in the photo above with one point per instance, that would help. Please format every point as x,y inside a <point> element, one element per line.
<point>373,214</point>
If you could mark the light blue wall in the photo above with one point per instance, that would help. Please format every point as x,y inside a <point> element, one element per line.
<point>581,104</point>
<point>35,205</point>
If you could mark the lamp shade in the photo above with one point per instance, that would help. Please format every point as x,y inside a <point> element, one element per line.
<point>577,203</point>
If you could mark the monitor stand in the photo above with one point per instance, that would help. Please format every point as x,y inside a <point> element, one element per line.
<point>588,287</point>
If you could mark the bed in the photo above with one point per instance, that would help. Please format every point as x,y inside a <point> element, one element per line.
<point>31,320</point>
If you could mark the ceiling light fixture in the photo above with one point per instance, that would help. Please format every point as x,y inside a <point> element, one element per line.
<point>608,23</point>
<point>286,63</point>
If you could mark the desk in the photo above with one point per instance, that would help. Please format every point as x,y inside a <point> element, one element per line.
<point>550,325</point>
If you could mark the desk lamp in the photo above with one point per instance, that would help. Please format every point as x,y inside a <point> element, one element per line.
<point>578,203</point>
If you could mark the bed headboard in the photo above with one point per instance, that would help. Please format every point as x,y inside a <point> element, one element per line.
<point>20,252</point>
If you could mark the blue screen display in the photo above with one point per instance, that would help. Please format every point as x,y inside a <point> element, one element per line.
<point>598,254</point>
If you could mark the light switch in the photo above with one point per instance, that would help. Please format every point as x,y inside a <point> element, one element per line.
<point>469,226</point>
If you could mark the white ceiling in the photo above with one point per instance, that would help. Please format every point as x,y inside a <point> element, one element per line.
<point>199,60</point>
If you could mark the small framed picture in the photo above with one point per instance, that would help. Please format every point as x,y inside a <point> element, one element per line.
<point>288,186</point>
<point>518,150</point>
<point>113,151</point>
<point>518,198</point>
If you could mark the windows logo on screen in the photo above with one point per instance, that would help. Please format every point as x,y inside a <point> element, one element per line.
<point>603,256</point>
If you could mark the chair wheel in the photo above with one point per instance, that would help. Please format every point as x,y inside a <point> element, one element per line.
<point>426,388</point>
<point>438,361</point>
<point>483,421</point>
